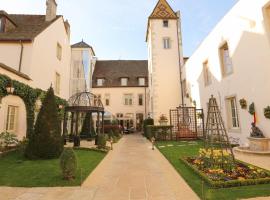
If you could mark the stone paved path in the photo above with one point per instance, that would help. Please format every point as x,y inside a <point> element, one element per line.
<point>135,172</point>
<point>132,171</point>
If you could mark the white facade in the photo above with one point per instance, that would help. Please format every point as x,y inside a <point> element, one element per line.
<point>246,32</point>
<point>119,108</point>
<point>164,57</point>
<point>45,60</point>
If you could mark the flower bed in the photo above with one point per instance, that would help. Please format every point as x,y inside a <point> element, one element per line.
<point>241,174</point>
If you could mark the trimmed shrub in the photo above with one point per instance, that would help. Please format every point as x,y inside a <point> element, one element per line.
<point>115,130</point>
<point>46,142</point>
<point>68,163</point>
<point>101,141</point>
<point>147,122</point>
<point>88,130</point>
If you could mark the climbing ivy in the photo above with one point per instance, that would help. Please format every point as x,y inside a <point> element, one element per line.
<point>29,96</point>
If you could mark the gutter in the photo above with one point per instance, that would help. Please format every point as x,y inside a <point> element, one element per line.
<point>21,55</point>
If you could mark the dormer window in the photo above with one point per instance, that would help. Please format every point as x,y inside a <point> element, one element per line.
<point>165,23</point>
<point>141,81</point>
<point>124,81</point>
<point>100,82</point>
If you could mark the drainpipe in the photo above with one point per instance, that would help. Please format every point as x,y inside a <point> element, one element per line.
<point>144,102</point>
<point>180,54</point>
<point>21,54</point>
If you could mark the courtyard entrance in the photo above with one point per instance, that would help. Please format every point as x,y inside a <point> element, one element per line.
<point>187,122</point>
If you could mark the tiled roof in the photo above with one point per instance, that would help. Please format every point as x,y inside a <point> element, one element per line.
<point>82,44</point>
<point>27,27</point>
<point>113,70</point>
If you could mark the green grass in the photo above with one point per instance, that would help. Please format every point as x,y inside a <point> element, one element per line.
<point>15,171</point>
<point>173,154</point>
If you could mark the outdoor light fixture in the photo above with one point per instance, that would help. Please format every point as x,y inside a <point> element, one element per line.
<point>60,106</point>
<point>9,88</point>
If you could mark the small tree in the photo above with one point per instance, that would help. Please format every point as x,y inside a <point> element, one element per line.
<point>46,142</point>
<point>68,164</point>
<point>88,129</point>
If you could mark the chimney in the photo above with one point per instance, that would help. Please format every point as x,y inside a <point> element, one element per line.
<point>51,10</point>
<point>67,26</point>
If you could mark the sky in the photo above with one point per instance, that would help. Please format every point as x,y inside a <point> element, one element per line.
<point>116,29</point>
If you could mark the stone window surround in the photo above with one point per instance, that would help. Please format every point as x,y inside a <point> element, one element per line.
<point>228,114</point>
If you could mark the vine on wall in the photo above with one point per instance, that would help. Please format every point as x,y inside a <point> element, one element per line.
<point>29,95</point>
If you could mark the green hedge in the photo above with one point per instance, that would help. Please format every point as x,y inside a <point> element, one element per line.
<point>231,183</point>
<point>159,132</point>
<point>147,122</point>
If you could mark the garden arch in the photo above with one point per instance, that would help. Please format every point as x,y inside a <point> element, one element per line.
<point>83,103</point>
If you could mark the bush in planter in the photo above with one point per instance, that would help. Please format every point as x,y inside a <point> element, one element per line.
<point>147,122</point>
<point>68,163</point>
<point>251,109</point>
<point>46,142</point>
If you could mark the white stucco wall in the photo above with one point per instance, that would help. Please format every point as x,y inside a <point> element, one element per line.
<point>244,28</point>
<point>44,62</point>
<point>117,100</point>
<point>164,73</point>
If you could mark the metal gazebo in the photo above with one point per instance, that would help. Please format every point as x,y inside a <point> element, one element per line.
<point>83,103</point>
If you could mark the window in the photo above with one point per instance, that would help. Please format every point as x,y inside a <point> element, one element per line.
<point>119,115</point>
<point>166,43</point>
<point>100,81</point>
<point>1,25</point>
<point>12,118</point>
<point>97,99</point>
<point>165,23</point>
<point>226,61</point>
<point>128,99</point>
<point>184,87</point>
<point>57,83</point>
<point>140,99</point>
<point>107,99</point>
<point>124,81</point>
<point>59,51</point>
<point>207,74</point>
<point>141,81</point>
<point>233,121</point>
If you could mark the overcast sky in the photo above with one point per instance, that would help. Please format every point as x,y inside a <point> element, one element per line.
<point>116,28</point>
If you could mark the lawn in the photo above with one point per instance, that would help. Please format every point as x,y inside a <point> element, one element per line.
<point>177,149</point>
<point>18,172</point>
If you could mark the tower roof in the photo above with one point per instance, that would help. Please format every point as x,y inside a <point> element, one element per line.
<point>163,11</point>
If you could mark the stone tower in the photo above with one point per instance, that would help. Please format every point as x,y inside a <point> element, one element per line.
<point>164,60</point>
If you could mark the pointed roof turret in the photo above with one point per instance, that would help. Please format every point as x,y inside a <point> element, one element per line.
<point>163,11</point>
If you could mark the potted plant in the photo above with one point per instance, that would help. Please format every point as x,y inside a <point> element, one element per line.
<point>243,103</point>
<point>163,120</point>
<point>267,112</point>
<point>251,109</point>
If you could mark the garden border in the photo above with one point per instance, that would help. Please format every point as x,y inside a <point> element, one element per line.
<point>232,183</point>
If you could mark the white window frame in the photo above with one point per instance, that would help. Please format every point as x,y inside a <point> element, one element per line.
<point>59,51</point>
<point>107,97</point>
<point>207,74</point>
<point>57,83</point>
<point>164,23</point>
<point>226,60</point>
<point>124,81</point>
<point>14,120</point>
<point>232,113</point>
<point>141,81</point>
<point>142,97</point>
<point>166,43</point>
<point>100,82</point>
<point>128,99</point>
